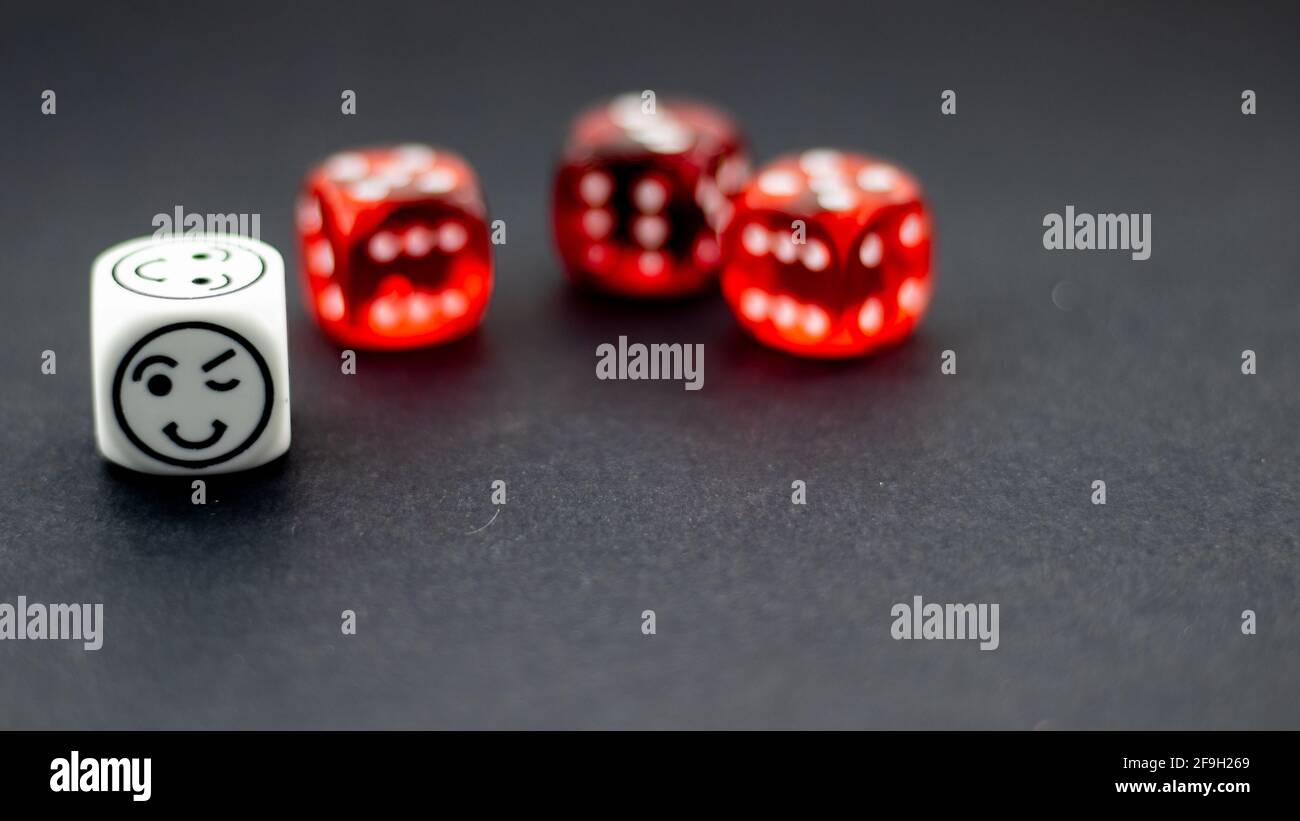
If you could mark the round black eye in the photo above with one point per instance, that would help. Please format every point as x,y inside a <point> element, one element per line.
<point>200,280</point>
<point>159,385</point>
<point>201,255</point>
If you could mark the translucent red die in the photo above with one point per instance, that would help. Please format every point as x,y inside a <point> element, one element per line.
<point>395,247</point>
<point>642,190</point>
<point>828,254</point>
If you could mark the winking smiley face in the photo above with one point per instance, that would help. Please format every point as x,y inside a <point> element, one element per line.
<point>193,394</point>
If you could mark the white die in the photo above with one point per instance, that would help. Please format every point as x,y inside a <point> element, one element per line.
<point>190,354</point>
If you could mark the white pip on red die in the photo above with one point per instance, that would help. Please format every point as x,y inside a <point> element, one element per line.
<point>190,354</point>
<point>395,247</point>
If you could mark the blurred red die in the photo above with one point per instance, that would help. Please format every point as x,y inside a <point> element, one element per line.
<point>641,193</point>
<point>828,254</point>
<point>395,247</point>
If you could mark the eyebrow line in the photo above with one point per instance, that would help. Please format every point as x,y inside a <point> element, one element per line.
<point>218,359</point>
<point>150,360</point>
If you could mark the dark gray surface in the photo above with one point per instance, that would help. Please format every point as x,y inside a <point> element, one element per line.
<point>626,496</point>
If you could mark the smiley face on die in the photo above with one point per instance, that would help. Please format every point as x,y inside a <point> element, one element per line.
<point>186,268</point>
<point>193,394</point>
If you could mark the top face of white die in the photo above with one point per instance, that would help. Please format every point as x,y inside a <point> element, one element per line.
<point>185,267</point>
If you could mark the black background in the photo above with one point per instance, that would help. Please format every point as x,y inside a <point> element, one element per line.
<point>334,770</point>
<point>625,496</point>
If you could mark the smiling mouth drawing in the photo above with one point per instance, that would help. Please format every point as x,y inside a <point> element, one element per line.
<point>172,431</point>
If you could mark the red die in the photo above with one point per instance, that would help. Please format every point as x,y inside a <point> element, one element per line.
<point>828,254</point>
<point>395,247</point>
<point>642,192</point>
